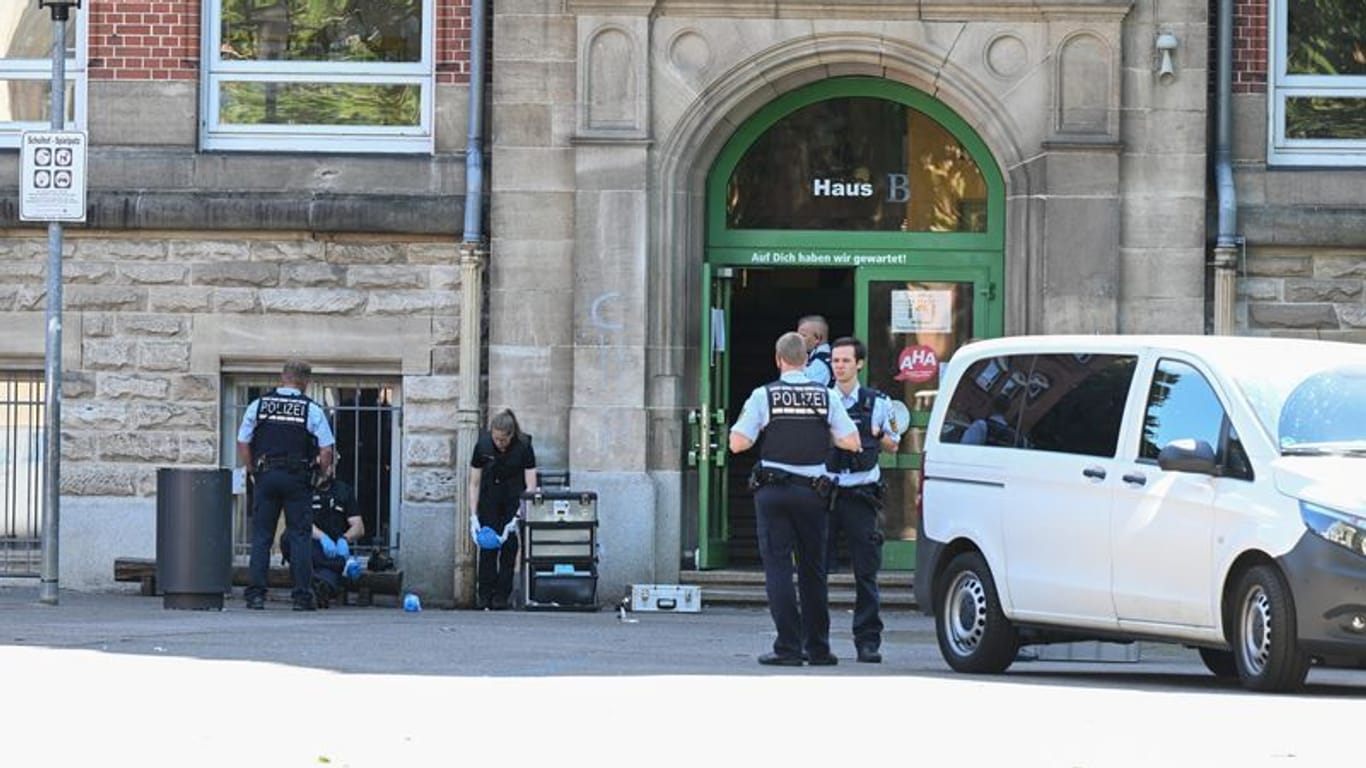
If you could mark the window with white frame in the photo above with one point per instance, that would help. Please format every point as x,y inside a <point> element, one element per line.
<point>318,75</point>
<point>26,36</point>
<point>1317,92</point>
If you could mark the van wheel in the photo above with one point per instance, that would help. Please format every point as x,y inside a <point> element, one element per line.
<point>1264,645</point>
<point>1221,663</point>
<point>974,634</point>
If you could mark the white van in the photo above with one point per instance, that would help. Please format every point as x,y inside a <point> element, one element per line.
<point>1202,490</point>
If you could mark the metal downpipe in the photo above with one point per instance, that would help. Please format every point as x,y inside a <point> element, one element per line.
<point>1227,241</point>
<point>472,257</point>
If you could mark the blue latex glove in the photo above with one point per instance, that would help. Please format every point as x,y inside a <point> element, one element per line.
<point>343,549</point>
<point>329,546</point>
<point>488,538</point>
<point>353,568</point>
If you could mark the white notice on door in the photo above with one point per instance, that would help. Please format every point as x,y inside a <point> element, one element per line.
<point>922,311</point>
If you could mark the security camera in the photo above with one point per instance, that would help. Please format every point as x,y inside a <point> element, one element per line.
<point>1166,43</point>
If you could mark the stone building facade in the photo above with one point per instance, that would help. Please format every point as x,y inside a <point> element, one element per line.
<point>198,272</point>
<point>609,117</point>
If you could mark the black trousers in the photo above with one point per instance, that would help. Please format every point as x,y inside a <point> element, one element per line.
<point>276,490</point>
<point>496,569</point>
<point>326,569</point>
<point>856,519</point>
<point>792,522</point>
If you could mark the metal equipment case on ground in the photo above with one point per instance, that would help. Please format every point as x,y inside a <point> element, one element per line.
<point>675,598</point>
<point>559,550</point>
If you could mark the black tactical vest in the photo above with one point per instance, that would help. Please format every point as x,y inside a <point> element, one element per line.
<point>798,430</point>
<point>330,510</point>
<point>282,428</point>
<point>861,413</point>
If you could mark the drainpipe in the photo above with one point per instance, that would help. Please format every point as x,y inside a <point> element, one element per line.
<point>1226,246</point>
<point>473,254</point>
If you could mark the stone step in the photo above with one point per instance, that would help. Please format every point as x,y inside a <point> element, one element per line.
<point>746,587</point>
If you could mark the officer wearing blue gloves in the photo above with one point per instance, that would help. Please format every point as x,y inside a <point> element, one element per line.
<point>336,526</point>
<point>283,439</point>
<point>502,468</point>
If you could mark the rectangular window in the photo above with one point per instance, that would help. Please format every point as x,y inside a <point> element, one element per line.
<point>365,415</point>
<point>21,472</point>
<point>26,33</point>
<point>319,75</point>
<point>1317,92</point>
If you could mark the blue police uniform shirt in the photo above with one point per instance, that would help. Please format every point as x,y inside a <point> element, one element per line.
<point>881,416</point>
<point>317,421</point>
<point>754,417</point>
<point>817,369</point>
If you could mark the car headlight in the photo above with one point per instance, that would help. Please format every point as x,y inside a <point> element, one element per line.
<point>1338,527</point>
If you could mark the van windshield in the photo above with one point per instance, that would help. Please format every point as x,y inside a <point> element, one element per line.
<point>1314,406</point>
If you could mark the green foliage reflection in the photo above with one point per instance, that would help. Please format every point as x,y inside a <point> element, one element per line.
<point>322,30</point>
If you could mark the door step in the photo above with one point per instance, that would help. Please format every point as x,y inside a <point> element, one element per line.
<point>746,587</point>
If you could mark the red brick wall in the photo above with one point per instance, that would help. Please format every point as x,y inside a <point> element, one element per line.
<point>159,39</point>
<point>1249,45</point>
<point>143,39</point>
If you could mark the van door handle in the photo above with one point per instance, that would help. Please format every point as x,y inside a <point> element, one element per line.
<point>1095,473</point>
<point>1134,478</point>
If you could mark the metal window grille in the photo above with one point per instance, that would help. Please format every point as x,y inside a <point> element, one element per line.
<point>366,418</point>
<point>22,418</point>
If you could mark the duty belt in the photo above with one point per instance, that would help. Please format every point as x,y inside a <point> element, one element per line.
<point>280,462</point>
<point>763,476</point>
<point>869,492</point>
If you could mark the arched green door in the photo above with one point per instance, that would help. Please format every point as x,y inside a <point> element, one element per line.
<point>872,203</point>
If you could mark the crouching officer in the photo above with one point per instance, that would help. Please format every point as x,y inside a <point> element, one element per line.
<point>790,495</point>
<point>856,506</point>
<point>281,432</point>
<point>336,526</point>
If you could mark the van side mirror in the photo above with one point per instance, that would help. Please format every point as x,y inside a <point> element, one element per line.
<point>1188,455</point>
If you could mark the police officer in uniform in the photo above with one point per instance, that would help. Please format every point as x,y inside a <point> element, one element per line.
<point>283,439</point>
<point>336,526</point>
<point>858,491</point>
<point>814,331</point>
<point>791,492</point>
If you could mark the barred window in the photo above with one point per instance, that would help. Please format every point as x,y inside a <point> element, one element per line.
<point>365,415</point>
<point>22,419</point>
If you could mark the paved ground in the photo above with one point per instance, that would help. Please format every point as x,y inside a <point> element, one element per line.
<point>114,679</point>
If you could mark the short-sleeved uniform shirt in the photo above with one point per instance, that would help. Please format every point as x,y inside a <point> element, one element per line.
<point>754,416</point>
<point>502,477</point>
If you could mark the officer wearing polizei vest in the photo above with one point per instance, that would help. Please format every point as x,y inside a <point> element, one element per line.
<point>283,439</point>
<point>857,502</point>
<point>791,489</point>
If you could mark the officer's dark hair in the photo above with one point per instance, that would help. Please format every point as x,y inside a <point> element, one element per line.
<point>296,371</point>
<point>860,350</point>
<point>506,421</point>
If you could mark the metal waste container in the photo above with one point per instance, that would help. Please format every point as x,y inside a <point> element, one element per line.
<point>194,537</point>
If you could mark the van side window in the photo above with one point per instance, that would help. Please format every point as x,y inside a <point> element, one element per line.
<point>1181,404</point>
<point>1082,408</point>
<point>986,406</point>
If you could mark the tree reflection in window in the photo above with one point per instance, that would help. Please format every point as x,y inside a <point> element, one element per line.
<point>857,164</point>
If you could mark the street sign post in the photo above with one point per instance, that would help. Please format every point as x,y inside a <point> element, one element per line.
<point>52,170</point>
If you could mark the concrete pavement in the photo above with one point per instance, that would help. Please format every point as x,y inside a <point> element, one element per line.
<point>116,680</point>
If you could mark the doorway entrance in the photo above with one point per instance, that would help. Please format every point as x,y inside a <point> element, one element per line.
<point>869,203</point>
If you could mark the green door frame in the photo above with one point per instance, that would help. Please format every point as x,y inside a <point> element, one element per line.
<point>977,257</point>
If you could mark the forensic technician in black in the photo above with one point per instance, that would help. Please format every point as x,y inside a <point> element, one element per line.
<point>857,490</point>
<point>791,493</point>
<point>283,441</point>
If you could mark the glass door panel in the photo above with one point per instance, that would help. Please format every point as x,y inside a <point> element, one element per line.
<point>913,319</point>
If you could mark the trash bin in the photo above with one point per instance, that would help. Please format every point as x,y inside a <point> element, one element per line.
<point>194,537</point>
